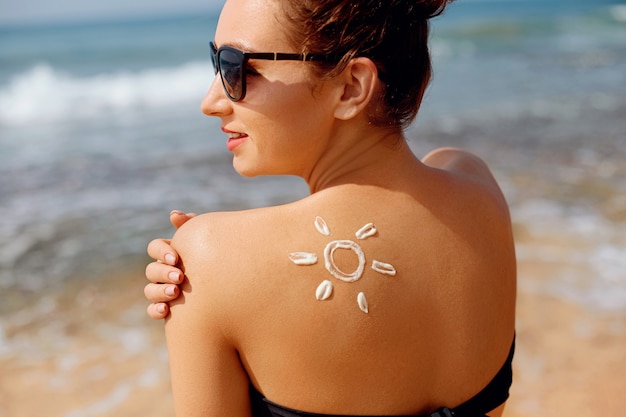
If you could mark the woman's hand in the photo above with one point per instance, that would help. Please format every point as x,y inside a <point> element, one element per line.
<point>163,274</point>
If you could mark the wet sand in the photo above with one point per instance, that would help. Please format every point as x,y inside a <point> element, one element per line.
<point>90,352</point>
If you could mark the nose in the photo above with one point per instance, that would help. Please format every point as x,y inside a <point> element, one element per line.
<point>215,102</point>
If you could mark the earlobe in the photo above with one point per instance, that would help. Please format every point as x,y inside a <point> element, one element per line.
<point>359,82</point>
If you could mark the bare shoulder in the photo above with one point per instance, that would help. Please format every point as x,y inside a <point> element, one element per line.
<point>469,169</point>
<point>198,243</point>
<point>224,239</point>
<point>225,255</point>
<point>198,233</point>
<point>458,160</point>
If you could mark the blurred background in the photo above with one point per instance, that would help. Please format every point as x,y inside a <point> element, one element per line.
<point>101,136</point>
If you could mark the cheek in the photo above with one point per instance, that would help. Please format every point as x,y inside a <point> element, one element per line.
<point>289,123</point>
<point>287,139</point>
<point>292,109</point>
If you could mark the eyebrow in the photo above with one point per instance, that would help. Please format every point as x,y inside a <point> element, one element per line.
<point>239,45</point>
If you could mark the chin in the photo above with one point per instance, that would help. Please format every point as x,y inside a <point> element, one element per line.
<point>246,170</point>
<point>246,173</point>
<point>251,170</point>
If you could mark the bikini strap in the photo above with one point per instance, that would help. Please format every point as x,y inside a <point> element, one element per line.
<point>493,395</point>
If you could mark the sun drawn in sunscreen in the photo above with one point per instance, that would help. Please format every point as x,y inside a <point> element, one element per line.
<point>325,288</point>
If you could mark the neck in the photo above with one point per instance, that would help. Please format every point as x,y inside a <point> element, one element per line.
<point>373,157</point>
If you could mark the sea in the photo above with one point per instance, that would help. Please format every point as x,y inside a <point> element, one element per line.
<point>101,135</point>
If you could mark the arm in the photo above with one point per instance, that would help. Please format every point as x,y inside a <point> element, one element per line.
<point>208,378</point>
<point>164,271</point>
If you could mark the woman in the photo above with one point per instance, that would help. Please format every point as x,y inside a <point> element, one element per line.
<point>390,290</point>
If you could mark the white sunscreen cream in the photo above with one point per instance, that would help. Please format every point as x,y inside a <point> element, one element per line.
<point>329,260</point>
<point>325,288</point>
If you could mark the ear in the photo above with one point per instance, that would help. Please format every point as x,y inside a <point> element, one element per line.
<point>358,84</point>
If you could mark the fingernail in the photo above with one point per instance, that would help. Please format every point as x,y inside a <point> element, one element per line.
<point>174,276</point>
<point>170,290</point>
<point>160,308</point>
<point>170,259</point>
<point>178,212</point>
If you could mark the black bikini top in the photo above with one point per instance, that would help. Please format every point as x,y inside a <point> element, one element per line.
<point>489,398</point>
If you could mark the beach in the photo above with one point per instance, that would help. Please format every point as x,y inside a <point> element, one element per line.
<point>101,137</point>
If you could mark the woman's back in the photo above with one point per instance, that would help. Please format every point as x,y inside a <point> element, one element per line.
<point>430,324</point>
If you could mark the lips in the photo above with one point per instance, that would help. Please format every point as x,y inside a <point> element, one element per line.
<point>234,139</point>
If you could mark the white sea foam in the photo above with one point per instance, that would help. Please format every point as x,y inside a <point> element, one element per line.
<point>44,94</point>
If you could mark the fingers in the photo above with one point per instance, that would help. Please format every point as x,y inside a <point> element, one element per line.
<point>160,293</point>
<point>162,289</point>
<point>160,250</point>
<point>178,218</point>
<point>158,311</point>
<point>160,273</point>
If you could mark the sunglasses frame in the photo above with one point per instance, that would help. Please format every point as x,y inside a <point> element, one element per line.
<point>243,58</point>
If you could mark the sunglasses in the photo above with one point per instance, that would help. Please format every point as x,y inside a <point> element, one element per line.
<point>231,64</point>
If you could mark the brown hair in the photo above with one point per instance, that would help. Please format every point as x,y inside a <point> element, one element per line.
<point>392,33</point>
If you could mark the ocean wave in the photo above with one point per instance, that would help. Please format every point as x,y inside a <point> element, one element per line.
<point>43,94</point>
<point>618,12</point>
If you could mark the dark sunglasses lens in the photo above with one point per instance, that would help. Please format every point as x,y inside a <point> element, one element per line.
<point>231,70</point>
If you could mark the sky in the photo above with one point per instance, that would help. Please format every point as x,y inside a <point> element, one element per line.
<point>49,11</point>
